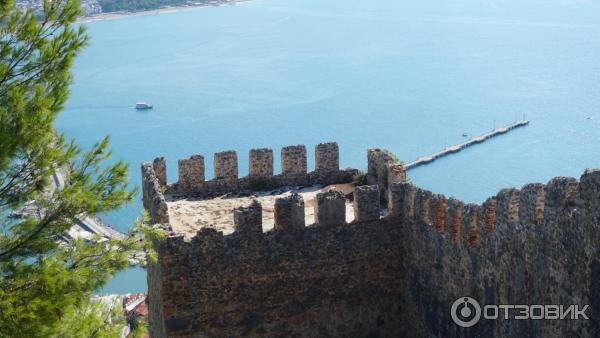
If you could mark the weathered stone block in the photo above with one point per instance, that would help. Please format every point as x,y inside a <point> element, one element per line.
<point>379,163</point>
<point>191,172</point>
<point>327,157</point>
<point>473,217</point>
<point>330,208</point>
<point>160,170</point>
<point>293,160</point>
<point>561,192</point>
<point>396,174</point>
<point>507,212</point>
<point>532,203</point>
<point>208,242</point>
<point>454,215</point>
<point>147,171</point>
<point>589,187</point>
<point>261,162</point>
<point>152,197</point>
<point>439,207</point>
<point>175,242</point>
<point>377,159</point>
<point>489,214</point>
<point>423,209</point>
<point>401,198</point>
<point>248,219</point>
<point>289,212</point>
<point>226,165</point>
<point>366,203</point>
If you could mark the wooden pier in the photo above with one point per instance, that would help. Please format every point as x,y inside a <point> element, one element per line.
<point>471,141</point>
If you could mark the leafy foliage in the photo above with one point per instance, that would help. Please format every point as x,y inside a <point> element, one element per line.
<point>94,318</point>
<point>150,234</point>
<point>45,281</point>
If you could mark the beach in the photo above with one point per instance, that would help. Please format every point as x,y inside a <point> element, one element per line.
<point>163,10</point>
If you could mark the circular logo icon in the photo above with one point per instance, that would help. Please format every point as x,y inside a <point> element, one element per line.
<point>466,312</point>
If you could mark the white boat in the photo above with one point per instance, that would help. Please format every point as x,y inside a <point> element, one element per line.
<point>143,105</point>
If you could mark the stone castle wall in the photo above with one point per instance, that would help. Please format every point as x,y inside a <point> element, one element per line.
<point>536,245</point>
<point>192,182</point>
<point>389,276</point>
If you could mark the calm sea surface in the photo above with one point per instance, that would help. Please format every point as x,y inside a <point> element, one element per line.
<point>407,76</point>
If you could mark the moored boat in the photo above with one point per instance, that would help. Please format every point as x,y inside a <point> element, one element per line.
<point>142,106</point>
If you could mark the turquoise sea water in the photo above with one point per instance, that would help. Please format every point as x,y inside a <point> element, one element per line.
<point>407,76</point>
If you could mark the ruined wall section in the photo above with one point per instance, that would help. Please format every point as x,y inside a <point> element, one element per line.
<point>536,245</point>
<point>152,196</point>
<point>383,170</point>
<point>192,181</point>
<point>155,204</point>
<point>156,279</point>
<point>320,280</point>
<point>391,276</point>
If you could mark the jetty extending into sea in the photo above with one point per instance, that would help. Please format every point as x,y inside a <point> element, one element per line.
<point>471,141</point>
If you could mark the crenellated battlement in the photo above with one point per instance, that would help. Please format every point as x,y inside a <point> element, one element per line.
<point>461,222</point>
<point>366,266</point>
<point>192,182</point>
<point>534,203</point>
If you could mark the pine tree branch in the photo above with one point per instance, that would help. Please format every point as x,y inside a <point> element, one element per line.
<point>42,225</point>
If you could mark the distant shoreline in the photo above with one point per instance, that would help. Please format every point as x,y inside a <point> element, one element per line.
<point>168,9</point>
